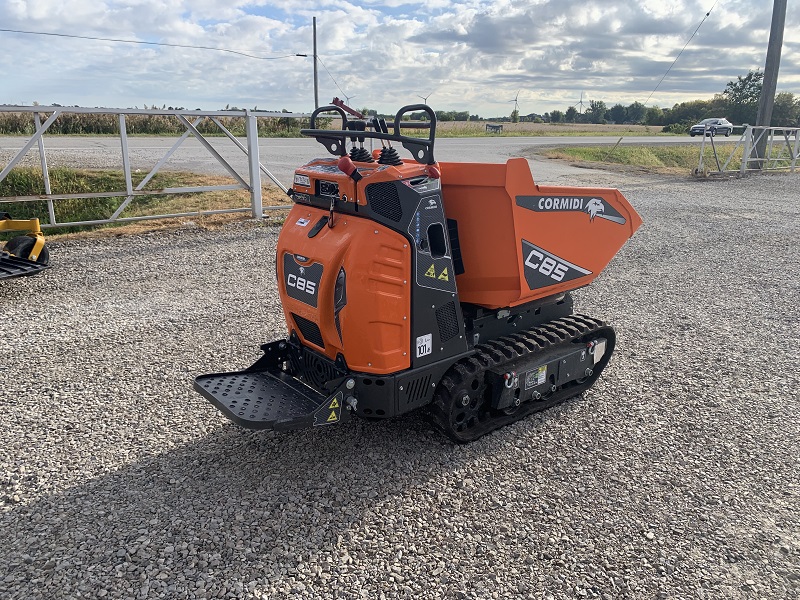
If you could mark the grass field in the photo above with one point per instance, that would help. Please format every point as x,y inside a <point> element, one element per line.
<point>460,128</point>
<point>478,129</point>
<point>663,159</point>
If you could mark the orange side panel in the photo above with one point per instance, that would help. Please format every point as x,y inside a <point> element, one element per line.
<point>520,241</point>
<point>375,322</point>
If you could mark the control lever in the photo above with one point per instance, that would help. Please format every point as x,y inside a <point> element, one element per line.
<point>347,167</point>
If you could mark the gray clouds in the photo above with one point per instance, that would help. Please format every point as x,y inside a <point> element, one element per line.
<point>474,55</point>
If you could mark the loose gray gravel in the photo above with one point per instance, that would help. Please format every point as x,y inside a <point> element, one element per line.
<point>675,477</point>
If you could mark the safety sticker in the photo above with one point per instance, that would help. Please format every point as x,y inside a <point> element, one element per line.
<point>330,411</point>
<point>443,276</point>
<point>424,345</point>
<point>303,222</point>
<point>536,377</point>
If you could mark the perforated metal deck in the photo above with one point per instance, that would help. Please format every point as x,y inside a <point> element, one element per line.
<point>269,400</point>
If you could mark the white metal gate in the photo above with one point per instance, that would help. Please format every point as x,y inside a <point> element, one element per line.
<point>190,120</point>
<point>763,149</point>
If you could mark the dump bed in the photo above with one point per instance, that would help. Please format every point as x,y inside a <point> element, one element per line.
<point>520,241</point>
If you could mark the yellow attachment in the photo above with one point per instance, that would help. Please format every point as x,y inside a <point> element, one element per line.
<point>32,225</point>
<point>37,246</point>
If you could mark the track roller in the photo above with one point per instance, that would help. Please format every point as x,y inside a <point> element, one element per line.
<point>514,376</point>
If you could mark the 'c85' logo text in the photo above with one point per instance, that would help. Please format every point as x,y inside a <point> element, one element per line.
<point>546,265</point>
<point>301,283</point>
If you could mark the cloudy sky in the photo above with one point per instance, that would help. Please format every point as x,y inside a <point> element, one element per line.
<point>473,55</point>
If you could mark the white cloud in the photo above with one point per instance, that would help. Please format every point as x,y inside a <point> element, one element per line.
<point>473,55</point>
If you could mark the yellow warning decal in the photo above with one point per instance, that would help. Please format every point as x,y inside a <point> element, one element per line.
<point>330,411</point>
<point>431,272</point>
<point>444,276</point>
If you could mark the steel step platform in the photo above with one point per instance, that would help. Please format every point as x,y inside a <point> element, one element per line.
<point>271,399</point>
<point>13,266</point>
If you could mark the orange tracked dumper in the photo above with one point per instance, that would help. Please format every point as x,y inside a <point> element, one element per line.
<point>407,283</point>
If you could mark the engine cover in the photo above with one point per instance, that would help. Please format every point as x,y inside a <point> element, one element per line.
<point>346,289</point>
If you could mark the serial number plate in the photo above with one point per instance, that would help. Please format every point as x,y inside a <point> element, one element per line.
<point>424,345</point>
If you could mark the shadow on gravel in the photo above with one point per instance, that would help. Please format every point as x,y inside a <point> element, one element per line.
<point>232,508</point>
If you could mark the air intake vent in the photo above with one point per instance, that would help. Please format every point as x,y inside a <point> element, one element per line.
<point>384,200</point>
<point>417,390</point>
<point>447,320</point>
<point>313,368</point>
<point>310,330</point>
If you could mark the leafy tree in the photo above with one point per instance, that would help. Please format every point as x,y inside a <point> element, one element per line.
<point>742,97</point>
<point>635,113</point>
<point>745,90</point>
<point>718,106</point>
<point>694,111</point>
<point>556,116</point>
<point>571,115</point>
<point>597,111</point>
<point>654,116</point>
<point>515,116</point>
<point>617,113</point>
<point>452,115</point>
<point>786,110</point>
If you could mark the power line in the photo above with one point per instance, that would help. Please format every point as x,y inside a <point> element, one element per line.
<point>681,52</point>
<point>331,76</point>
<point>102,39</point>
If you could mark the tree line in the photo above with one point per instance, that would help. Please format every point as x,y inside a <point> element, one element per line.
<point>738,102</point>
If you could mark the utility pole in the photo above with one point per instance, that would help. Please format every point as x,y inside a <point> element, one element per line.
<point>771,68</point>
<point>316,79</point>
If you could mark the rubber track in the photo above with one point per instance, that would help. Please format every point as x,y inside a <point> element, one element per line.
<point>509,349</point>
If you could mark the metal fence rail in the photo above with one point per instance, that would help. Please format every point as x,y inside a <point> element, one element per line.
<point>762,149</point>
<point>190,120</point>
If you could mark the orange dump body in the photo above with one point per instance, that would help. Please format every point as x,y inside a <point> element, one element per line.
<point>521,241</point>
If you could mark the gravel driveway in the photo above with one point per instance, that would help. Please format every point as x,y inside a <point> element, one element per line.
<point>675,477</point>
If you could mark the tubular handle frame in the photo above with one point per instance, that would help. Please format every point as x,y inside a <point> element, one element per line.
<point>334,140</point>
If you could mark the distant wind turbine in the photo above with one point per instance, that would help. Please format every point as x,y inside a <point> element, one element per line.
<point>425,98</point>
<point>580,102</point>
<point>515,100</point>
